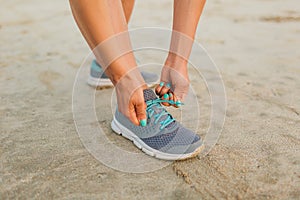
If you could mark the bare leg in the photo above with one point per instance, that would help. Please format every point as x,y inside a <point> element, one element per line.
<point>99,21</point>
<point>186,17</point>
<point>127,8</point>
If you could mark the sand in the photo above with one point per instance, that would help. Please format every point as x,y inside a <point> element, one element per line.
<point>255,44</point>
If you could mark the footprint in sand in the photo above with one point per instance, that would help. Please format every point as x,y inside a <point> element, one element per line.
<point>48,78</point>
<point>280,19</point>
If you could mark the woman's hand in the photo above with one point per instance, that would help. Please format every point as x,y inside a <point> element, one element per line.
<point>174,83</point>
<point>130,97</point>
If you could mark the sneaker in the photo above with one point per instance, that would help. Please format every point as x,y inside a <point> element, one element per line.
<point>163,137</point>
<point>95,80</point>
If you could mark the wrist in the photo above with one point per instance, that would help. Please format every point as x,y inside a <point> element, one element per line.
<point>175,61</point>
<point>126,76</point>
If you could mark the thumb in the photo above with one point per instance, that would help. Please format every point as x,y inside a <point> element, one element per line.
<point>140,111</point>
<point>180,94</point>
<point>181,89</point>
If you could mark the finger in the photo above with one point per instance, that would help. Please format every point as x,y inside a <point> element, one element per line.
<point>171,96</point>
<point>140,110</point>
<point>165,97</point>
<point>165,89</point>
<point>133,116</point>
<point>159,87</point>
<point>175,99</point>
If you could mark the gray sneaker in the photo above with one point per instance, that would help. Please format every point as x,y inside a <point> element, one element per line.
<point>163,137</point>
<point>95,80</point>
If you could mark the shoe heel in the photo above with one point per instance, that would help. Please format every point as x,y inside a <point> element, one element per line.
<point>115,128</point>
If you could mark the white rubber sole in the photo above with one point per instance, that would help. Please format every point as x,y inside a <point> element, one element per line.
<point>99,82</point>
<point>105,82</point>
<point>121,130</point>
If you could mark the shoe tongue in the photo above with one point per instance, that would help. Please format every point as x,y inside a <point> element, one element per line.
<point>149,95</point>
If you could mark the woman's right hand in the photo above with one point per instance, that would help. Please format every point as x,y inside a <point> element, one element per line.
<point>174,82</point>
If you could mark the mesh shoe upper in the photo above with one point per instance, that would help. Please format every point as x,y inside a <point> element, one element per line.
<point>173,138</point>
<point>96,70</point>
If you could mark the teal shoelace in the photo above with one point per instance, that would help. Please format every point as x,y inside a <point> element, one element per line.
<point>157,102</point>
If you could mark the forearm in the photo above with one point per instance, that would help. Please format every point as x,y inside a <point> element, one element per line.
<point>185,20</point>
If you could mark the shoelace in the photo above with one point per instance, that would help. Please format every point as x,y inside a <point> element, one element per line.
<point>157,102</point>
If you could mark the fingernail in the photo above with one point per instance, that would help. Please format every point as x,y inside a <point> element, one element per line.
<point>178,103</point>
<point>166,96</point>
<point>168,85</point>
<point>170,95</point>
<point>143,122</point>
<point>161,84</point>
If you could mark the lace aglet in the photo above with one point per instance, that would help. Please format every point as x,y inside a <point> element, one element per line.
<point>179,103</point>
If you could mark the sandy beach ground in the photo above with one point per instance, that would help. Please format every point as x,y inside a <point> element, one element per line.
<point>255,44</point>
